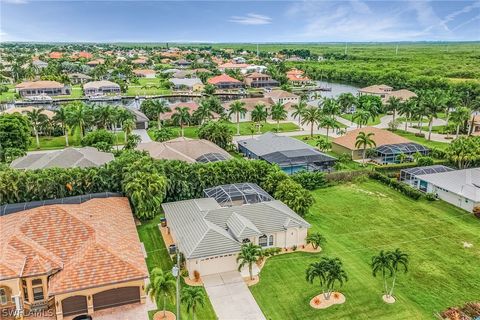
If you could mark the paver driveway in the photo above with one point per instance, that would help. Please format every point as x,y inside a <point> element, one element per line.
<point>231,297</point>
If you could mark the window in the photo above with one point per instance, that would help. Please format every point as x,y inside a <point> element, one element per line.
<point>270,241</point>
<point>3,296</point>
<point>25,290</point>
<point>246,240</point>
<point>36,282</point>
<point>38,293</point>
<point>262,241</point>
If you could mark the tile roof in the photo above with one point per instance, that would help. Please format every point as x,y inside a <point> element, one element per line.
<point>100,84</point>
<point>24,110</point>
<point>250,103</point>
<point>41,84</point>
<point>280,94</point>
<point>376,89</point>
<point>230,65</point>
<point>381,137</point>
<point>144,71</point>
<point>222,78</point>
<point>270,142</point>
<point>80,245</point>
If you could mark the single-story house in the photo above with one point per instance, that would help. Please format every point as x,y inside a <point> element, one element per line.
<point>260,80</point>
<point>185,149</point>
<point>65,158</point>
<point>193,84</point>
<point>239,60</point>
<point>101,87</point>
<point>254,68</point>
<point>24,110</point>
<point>79,78</point>
<point>409,175</point>
<point>249,105</point>
<point>459,187</point>
<point>385,92</point>
<point>96,62</point>
<point>224,81</point>
<point>181,74</point>
<point>182,63</point>
<point>140,61</point>
<point>232,66</point>
<point>145,73</point>
<point>141,120</point>
<point>55,55</point>
<point>70,259</point>
<point>39,64</point>
<point>210,236</point>
<point>290,154</point>
<point>42,87</point>
<point>388,145</point>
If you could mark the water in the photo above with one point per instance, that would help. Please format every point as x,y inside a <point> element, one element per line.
<point>337,89</point>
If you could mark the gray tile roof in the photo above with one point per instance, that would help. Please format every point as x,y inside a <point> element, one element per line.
<point>204,229</point>
<point>270,142</point>
<point>66,158</point>
<point>464,182</point>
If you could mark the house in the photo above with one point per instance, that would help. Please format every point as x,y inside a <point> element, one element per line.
<point>55,55</point>
<point>224,81</point>
<point>140,61</point>
<point>184,149</point>
<point>24,110</point>
<point>385,92</point>
<point>70,259</point>
<point>402,94</point>
<point>254,68</point>
<point>79,78</point>
<point>193,84</point>
<point>260,80</point>
<point>145,73</point>
<point>191,105</point>
<point>182,63</point>
<point>459,187</point>
<point>282,96</point>
<point>475,129</point>
<point>239,60</point>
<point>141,120</point>
<point>64,158</point>
<point>95,62</point>
<point>41,87</point>
<point>39,64</point>
<point>181,74</point>
<point>249,105</point>
<point>232,66</point>
<point>101,87</point>
<point>290,154</point>
<point>82,54</point>
<point>210,236</point>
<point>297,77</point>
<point>410,175</point>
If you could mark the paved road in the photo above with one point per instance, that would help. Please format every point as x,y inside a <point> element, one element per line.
<point>231,298</point>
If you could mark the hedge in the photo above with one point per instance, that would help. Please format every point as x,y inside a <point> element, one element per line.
<point>399,186</point>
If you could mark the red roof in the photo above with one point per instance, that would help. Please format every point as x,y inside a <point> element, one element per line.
<point>55,55</point>
<point>221,79</point>
<point>83,54</point>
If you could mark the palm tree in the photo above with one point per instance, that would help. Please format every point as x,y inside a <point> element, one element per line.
<point>346,101</point>
<point>181,117</point>
<point>433,102</point>
<point>330,107</point>
<point>159,107</point>
<point>80,116</point>
<point>329,271</point>
<point>249,254</point>
<point>192,297</point>
<point>328,122</point>
<point>61,117</point>
<point>128,126</point>
<point>382,263</point>
<point>393,104</point>
<point>104,115</point>
<point>407,109</point>
<point>323,144</point>
<point>37,118</point>
<point>203,112</point>
<point>316,239</point>
<point>398,260</point>
<point>161,283</point>
<point>299,109</point>
<point>259,114</point>
<point>237,108</point>
<point>459,117</point>
<point>311,116</point>
<point>364,141</point>
<point>361,117</point>
<point>278,113</point>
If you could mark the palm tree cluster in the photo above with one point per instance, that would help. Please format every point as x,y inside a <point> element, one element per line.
<point>329,272</point>
<point>389,264</point>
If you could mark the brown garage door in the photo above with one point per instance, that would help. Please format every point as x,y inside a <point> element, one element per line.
<point>74,305</point>
<point>115,297</point>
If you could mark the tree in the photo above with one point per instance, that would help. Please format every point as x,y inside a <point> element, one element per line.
<point>104,116</point>
<point>61,117</point>
<point>407,109</point>
<point>464,151</point>
<point>37,118</point>
<point>128,126</point>
<point>209,89</point>
<point>433,102</point>
<point>259,114</point>
<point>311,116</point>
<point>203,112</point>
<point>80,116</point>
<point>381,263</point>
<point>162,284</point>
<point>361,117</point>
<point>159,107</point>
<point>216,132</point>
<point>329,123</point>
<point>294,196</point>
<point>278,113</point>
<point>298,110</point>
<point>316,239</point>
<point>399,261</point>
<point>346,101</point>
<point>393,104</point>
<point>364,141</point>
<point>330,107</point>
<point>132,141</point>
<point>164,134</point>
<point>328,271</point>
<point>249,254</point>
<point>459,117</point>
<point>192,297</point>
<point>92,139</point>
<point>237,108</point>
<point>323,144</point>
<point>15,132</point>
<point>181,117</point>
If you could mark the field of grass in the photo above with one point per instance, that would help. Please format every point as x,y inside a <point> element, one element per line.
<point>358,220</point>
<point>51,143</point>
<point>148,87</point>
<point>157,256</point>
<point>411,136</point>
<point>371,122</point>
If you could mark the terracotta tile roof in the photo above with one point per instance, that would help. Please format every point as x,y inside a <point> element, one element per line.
<point>143,71</point>
<point>376,89</point>
<point>41,84</point>
<point>24,110</point>
<point>280,94</point>
<point>250,103</point>
<point>55,55</point>
<point>296,75</point>
<point>192,106</point>
<point>83,245</point>
<point>96,61</point>
<point>381,137</point>
<point>139,61</point>
<point>222,78</point>
<point>82,54</point>
<point>230,65</point>
<point>402,94</point>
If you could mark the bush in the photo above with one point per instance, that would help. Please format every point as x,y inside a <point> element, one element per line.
<point>272,180</point>
<point>294,196</point>
<point>399,186</point>
<point>103,146</point>
<point>196,275</point>
<point>345,176</point>
<point>163,134</point>
<point>310,180</point>
<point>98,136</point>
<point>216,132</point>
<point>430,196</point>
<point>424,161</point>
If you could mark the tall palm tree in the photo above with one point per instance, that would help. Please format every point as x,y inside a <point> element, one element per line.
<point>346,101</point>
<point>37,118</point>
<point>382,263</point>
<point>278,113</point>
<point>330,107</point>
<point>159,107</point>
<point>328,271</point>
<point>311,116</point>
<point>162,284</point>
<point>399,261</point>
<point>104,115</point>
<point>192,297</point>
<point>433,102</point>
<point>249,254</point>
<point>298,110</point>
<point>128,126</point>
<point>80,116</point>
<point>237,108</point>
<point>406,109</point>
<point>181,117</point>
<point>364,141</point>
<point>459,117</point>
<point>61,117</point>
<point>361,117</point>
<point>393,104</point>
<point>259,114</point>
<point>203,112</point>
<point>328,123</point>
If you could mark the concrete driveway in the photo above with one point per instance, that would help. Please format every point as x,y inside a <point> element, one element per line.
<point>231,298</point>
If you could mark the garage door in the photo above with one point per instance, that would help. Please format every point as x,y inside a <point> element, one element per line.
<point>116,297</point>
<point>74,305</point>
<point>217,265</point>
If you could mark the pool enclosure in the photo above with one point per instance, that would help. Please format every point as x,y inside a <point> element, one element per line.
<point>389,153</point>
<point>211,157</point>
<point>291,161</point>
<point>409,175</point>
<point>236,194</point>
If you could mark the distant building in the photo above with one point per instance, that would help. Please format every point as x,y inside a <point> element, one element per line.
<point>40,64</point>
<point>182,63</point>
<point>282,96</point>
<point>249,105</point>
<point>95,62</point>
<point>79,78</point>
<point>385,92</point>
<point>224,81</point>
<point>240,60</point>
<point>260,80</point>
<point>101,87</point>
<point>41,87</point>
<point>193,84</point>
<point>145,73</point>
<point>232,66</point>
<point>297,77</point>
<point>475,129</point>
<point>140,61</point>
<point>141,120</point>
<point>55,55</point>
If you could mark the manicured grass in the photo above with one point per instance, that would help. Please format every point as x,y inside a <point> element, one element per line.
<point>371,122</point>
<point>76,92</point>
<point>358,220</point>
<point>9,95</point>
<point>157,256</point>
<point>431,144</point>
<point>146,86</point>
<point>51,143</point>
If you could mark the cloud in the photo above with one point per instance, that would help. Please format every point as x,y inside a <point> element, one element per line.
<point>251,19</point>
<point>14,1</point>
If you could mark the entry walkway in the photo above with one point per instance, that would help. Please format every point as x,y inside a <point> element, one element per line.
<point>231,298</point>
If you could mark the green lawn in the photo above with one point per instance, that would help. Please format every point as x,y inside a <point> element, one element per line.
<point>411,136</point>
<point>371,122</point>
<point>77,92</point>
<point>9,95</point>
<point>360,219</point>
<point>157,256</point>
<point>147,86</point>
<point>50,143</point>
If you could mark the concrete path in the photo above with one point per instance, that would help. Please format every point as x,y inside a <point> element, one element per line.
<point>143,135</point>
<point>231,298</point>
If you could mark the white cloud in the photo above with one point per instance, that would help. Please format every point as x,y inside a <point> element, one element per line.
<point>251,19</point>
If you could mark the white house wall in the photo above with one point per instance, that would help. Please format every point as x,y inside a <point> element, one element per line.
<point>452,198</point>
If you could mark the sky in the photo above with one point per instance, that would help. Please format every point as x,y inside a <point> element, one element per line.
<point>239,21</point>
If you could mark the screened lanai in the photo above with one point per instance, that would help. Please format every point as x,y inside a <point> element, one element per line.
<point>409,175</point>
<point>388,153</point>
<point>292,161</point>
<point>211,157</point>
<point>236,194</point>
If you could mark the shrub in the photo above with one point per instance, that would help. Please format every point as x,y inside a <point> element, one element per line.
<point>424,161</point>
<point>310,180</point>
<point>98,136</point>
<point>196,275</point>
<point>421,135</point>
<point>399,186</point>
<point>163,134</point>
<point>294,196</point>
<point>216,132</point>
<point>430,196</point>
<point>294,248</point>
<point>103,146</point>
<point>272,181</point>
<point>476,211</point>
